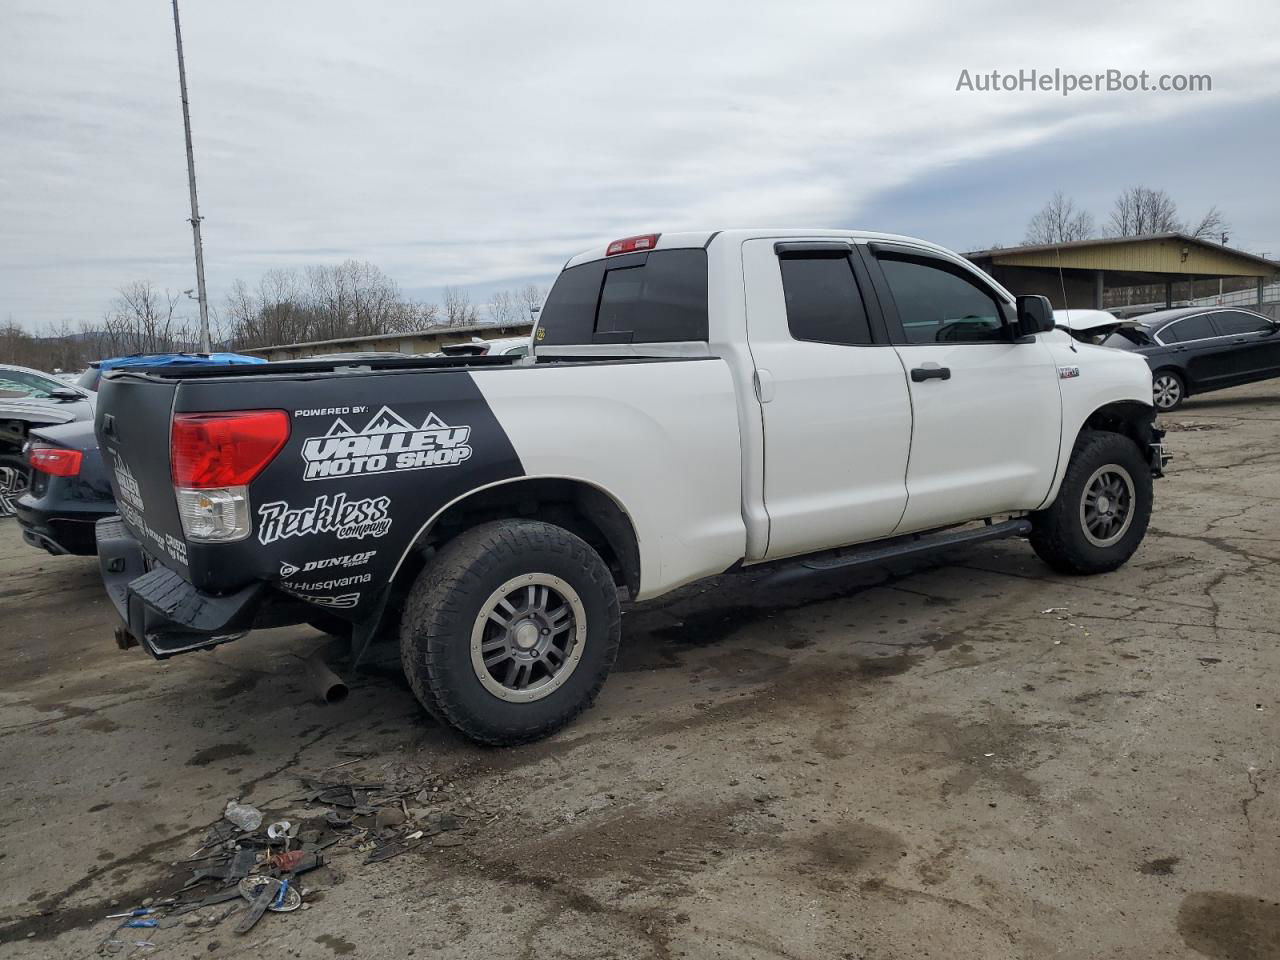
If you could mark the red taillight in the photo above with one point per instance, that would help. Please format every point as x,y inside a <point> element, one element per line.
<point>55,461</point>
<point>224,449</point>
<point>646,241</point>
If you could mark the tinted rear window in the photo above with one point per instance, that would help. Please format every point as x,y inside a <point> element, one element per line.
<point>1192,328</point>
<point>823,300</point>
<point>642,298</point>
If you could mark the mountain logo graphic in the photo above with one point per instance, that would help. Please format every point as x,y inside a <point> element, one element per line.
<point>388,443</point>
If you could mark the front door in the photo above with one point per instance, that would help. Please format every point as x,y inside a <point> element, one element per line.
<point>987,410</point>
<point>833,397</point>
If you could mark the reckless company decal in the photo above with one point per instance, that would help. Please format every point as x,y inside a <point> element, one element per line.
<point>1068,373</point>
<point>349,519</point>
<point>130,492</point>
<point>387,443</point>
<point>288,569</point>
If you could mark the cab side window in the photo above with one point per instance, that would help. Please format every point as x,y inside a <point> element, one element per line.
<point>824,304</point>
<point>938,305</point>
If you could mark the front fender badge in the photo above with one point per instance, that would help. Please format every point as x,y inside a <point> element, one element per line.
<point>1068,373</point>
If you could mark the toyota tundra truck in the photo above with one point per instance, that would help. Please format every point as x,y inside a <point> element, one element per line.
<point>693,404</point>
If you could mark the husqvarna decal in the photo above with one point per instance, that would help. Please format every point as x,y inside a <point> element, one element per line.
<point>350,519</point>
<point>387,443</point>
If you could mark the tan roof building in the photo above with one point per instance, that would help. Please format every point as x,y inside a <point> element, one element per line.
<point>1085,270</point>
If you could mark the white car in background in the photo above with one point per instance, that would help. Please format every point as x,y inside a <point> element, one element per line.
<point>478,347</point>
<point>1090,326</point>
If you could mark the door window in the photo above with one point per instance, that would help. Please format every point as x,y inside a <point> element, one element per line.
<point>1233,323</point>
<point>936,305</point>
<point>824,303</point>
<point>1192,328</point>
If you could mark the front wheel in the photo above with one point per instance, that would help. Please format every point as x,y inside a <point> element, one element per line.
<point>1102,509</point>
<point>1167,391</point>
<point>15,477</point>
<point>510,631</point>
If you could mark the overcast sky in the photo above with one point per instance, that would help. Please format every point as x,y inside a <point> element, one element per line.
<point>481,143</point>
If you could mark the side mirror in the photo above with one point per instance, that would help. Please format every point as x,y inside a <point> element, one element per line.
<point>65,393</point>
<point>1035,315</point>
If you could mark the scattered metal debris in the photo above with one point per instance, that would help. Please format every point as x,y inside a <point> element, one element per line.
<point>256,860</point>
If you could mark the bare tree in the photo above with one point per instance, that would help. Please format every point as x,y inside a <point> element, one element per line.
<point>1141,211</point>
<point>1059,221</point>
<point>351,299</point>
<point>144,320</point>
<point>1212,226</point>
<point>505,308</point>
<point>531,297</point>
<point>458,308</point>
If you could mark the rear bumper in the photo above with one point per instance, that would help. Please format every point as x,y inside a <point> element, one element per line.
<point>161,610</point>
<point>58,531</point>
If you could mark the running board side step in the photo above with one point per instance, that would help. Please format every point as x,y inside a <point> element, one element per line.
<point>916,543</point>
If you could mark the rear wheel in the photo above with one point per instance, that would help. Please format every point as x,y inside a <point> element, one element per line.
<point>510,631</point>
<point>1102,509</point>
<point>1167,390</point>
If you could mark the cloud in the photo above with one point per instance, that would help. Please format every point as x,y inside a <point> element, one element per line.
<point>476,143</point>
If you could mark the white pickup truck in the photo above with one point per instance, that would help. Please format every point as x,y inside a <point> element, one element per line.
<point>695,403</point>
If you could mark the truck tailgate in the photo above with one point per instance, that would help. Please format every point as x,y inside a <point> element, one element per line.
<point>132,425</point>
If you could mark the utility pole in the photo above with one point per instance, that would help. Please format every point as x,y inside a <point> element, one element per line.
<point>191,178</point>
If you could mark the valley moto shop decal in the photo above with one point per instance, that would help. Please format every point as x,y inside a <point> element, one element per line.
<point>388,443</point>
<point>349,519</point>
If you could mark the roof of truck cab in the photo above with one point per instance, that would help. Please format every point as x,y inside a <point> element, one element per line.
<point>705,238</point>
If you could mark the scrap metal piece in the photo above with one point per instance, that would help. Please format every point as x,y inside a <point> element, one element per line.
<point>257,907</point>
<point>252,888</point>
<point>240,865</point>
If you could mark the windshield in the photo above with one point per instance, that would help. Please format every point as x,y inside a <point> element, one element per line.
<point>16,384</point>
<point>89,379</point>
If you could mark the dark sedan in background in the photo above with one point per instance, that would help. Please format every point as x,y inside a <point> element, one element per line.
<point>1194,350</point>
<point>69,490</point>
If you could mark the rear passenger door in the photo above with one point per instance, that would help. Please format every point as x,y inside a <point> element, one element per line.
<point>833,397</point>
<point>987,406</point>
<point>1196,347</point>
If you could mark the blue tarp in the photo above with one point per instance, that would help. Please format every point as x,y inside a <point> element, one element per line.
<point>174,359</point>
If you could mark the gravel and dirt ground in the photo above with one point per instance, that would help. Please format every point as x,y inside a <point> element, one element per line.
<point>960,757</point>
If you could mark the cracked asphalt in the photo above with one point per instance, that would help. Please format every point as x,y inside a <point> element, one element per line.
<point>965,756</point>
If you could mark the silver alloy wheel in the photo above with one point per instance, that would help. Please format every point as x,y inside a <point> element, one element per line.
<point>13,484</point>
<point>528,637</point>
<point>1166,391</point>
<point>1107,505</point>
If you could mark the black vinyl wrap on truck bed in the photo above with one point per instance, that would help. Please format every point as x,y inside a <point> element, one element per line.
<point>370,457</point>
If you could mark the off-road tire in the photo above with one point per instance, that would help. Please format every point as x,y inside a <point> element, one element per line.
<point>1058,532</point>
<point>445,600</point>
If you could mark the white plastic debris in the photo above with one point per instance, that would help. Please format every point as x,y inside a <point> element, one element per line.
<point>278,829</point>
<point>242,815</point>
